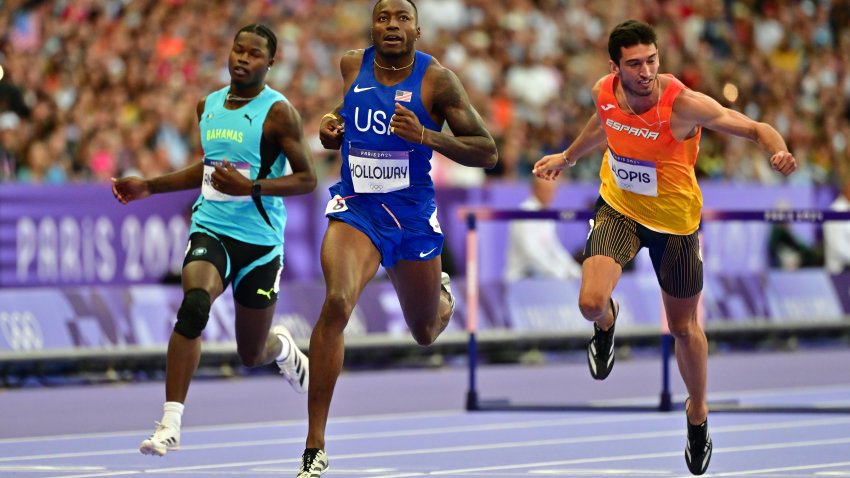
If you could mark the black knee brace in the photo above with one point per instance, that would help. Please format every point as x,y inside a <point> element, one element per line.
<point>193,314</point>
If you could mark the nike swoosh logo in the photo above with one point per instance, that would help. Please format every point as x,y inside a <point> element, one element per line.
<point>357,88</point>
<point>423,254</point>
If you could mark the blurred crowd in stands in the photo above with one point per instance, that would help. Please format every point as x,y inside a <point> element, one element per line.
<point>100,88</point>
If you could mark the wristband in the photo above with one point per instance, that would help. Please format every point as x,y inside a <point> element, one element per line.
<point>422,136</point>
<point>564,155</point>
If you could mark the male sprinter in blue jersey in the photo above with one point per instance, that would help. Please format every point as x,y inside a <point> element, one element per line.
<point>382,211</point>
<point>249,133</point>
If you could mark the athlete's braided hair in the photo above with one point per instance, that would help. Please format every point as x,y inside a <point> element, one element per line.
<point>263,31</point>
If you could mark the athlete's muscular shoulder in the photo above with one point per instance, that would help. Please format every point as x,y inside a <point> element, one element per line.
<point>597,88</point>
<point>349,65</point>
<point>696,108</point>
<point>280,120</point>
<point>441,89</point>
<point>199,109</point>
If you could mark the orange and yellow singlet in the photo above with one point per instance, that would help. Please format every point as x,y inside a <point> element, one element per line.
<point>646,173</point>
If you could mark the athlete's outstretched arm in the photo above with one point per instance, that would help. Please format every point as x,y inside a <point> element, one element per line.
<point>189,177</point>
<point>470,143</point>
<point>133,188</point>
<point>591,137</point>
<point>702,110</point>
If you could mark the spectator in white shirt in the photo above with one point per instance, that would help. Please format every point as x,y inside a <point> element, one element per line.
<point>534,249</point>
<point>836,235</point>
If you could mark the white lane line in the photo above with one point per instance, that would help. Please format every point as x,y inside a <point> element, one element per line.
<point>45,468</point>
<point>786,468</point>
<point>463,429</point>
<point>739,449</point>
<point>509,445</point>
<point>239,426</point>
<point>576,421</point>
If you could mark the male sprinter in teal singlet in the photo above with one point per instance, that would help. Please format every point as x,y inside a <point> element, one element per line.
<point>249,132</point>
<point>383,211</point>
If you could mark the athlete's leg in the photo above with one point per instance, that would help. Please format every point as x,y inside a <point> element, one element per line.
<point>612,242</point>
<point>692,358</point>
<point>427,308</point>
<point>349,261</point>
<point>691,352</point>
<point>678,266</point>
<point>184,352</point>
<point>254,344</point>
<point>202,284</point>
<point>599,276</point>
<point>255,297</point>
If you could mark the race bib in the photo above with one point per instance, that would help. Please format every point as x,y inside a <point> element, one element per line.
<point>634,175</point>
<point>379,171</point>
<point>210,193</point>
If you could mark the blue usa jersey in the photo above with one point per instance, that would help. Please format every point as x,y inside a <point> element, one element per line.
<point>375,161</point>
<point>237,136</point>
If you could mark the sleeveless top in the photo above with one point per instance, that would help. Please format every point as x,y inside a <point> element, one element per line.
<point>237,136</point>
<point>646,173</point>
<point>375,161</point>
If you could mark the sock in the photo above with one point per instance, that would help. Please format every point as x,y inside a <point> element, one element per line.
<point>172,414</point>
<point>285,348</point>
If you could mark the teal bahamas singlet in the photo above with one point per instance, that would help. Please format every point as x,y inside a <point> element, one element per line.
<point>237,136</point>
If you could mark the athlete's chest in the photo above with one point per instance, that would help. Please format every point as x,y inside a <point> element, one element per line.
<point>223,127</point>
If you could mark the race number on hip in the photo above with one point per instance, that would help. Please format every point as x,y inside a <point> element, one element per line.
<point>634,175</point>
<point>210,193</point>
<point>379,171</point>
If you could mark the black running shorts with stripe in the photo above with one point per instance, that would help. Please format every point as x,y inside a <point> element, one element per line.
<point>253,269</point>
<point>675,258</point>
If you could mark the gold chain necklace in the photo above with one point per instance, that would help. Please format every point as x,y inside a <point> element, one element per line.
<point>231,97</point>
<point>657,104</point>
<point>392,68</point>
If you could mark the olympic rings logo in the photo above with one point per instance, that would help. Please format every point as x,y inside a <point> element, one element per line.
<point>21,330</point>
<point>376,187</point>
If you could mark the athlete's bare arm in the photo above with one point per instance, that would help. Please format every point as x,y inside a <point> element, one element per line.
<point>443,95</point>
<point>332,127</point>
<point>189,177</point>
<point>134,188</point>
<point>692,109</point>
<point>592,136</point>
<point>283,128</point>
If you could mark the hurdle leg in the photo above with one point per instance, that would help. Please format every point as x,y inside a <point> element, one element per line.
<point>472,308</point>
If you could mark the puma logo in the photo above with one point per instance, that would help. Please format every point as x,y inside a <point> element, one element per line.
<point>250,120</point>
<point>267,293</point>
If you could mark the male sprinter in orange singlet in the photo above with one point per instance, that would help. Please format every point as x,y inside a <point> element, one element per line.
<point>649,197</point>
